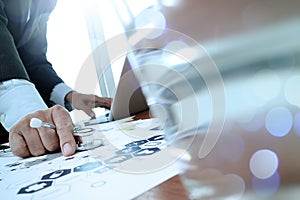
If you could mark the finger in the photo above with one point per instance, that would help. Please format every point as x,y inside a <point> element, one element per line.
<point>103,102</point>
<point>49,139</point>
<point>34,142</point>
<point>31,137</point>
<point>64,129</point>
<point>108,102</point>
<point>48,136</point>
<point>18,145</point>
<point>88,110</point>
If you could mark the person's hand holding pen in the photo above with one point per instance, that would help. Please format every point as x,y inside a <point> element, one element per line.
<point>26,141</point>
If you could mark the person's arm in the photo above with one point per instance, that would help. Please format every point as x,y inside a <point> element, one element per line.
<point>87,102</point>
<point>51,87</point>
<point>19,103</point>
<point>33,48</point>
<point>25,141</point>
<point>10,63</point>
<point>15,89</point>
<point>18,96</point>
<point>20,99</point>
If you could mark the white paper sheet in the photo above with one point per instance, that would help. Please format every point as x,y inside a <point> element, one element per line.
<point>134,159</point>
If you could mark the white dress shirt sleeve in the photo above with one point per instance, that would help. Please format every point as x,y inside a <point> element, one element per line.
<point>18,98</point>
<point>59,93</point>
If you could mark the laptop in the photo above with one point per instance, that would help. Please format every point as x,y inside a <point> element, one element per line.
<point>128,99</point>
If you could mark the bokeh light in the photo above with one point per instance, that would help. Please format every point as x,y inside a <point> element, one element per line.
<point>170,3</point>
<point>242,105</point>
<point>254,124</point>
<point>248,116</point>
<point>265,90</point>
<point>291,90</point>
<point>266,187</point>
<point>297,123</point>
<point>263,163</point>
<point>175,45</point>
<point>279,121</point>
<point>150,18</point>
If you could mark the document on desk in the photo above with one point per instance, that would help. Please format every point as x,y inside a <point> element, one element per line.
<point>133,159</point>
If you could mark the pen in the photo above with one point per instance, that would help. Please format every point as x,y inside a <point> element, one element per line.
<point>37,123</point>
<point>84,137</point>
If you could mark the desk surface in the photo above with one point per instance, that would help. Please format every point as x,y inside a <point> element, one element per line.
<point>170,189</point>
<point>233,154</point>
<point>226,159</point>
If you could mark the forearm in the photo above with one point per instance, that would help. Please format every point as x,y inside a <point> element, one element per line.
<point>59,94</point>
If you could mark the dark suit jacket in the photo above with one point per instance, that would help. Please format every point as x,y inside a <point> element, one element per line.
<point>23,44</point>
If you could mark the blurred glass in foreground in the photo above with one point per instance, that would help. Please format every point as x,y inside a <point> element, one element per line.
<point>222,79</point>
<point>256,139</point>
<point>182,85</point>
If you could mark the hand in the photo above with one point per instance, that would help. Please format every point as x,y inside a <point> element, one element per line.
<point>86,102</point>
<point>26,141</point>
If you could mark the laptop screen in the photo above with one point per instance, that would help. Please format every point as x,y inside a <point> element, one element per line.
<point>128,98</point>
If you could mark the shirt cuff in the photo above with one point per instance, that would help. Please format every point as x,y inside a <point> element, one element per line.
<point>18,98</point>
<point>59,93</point>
